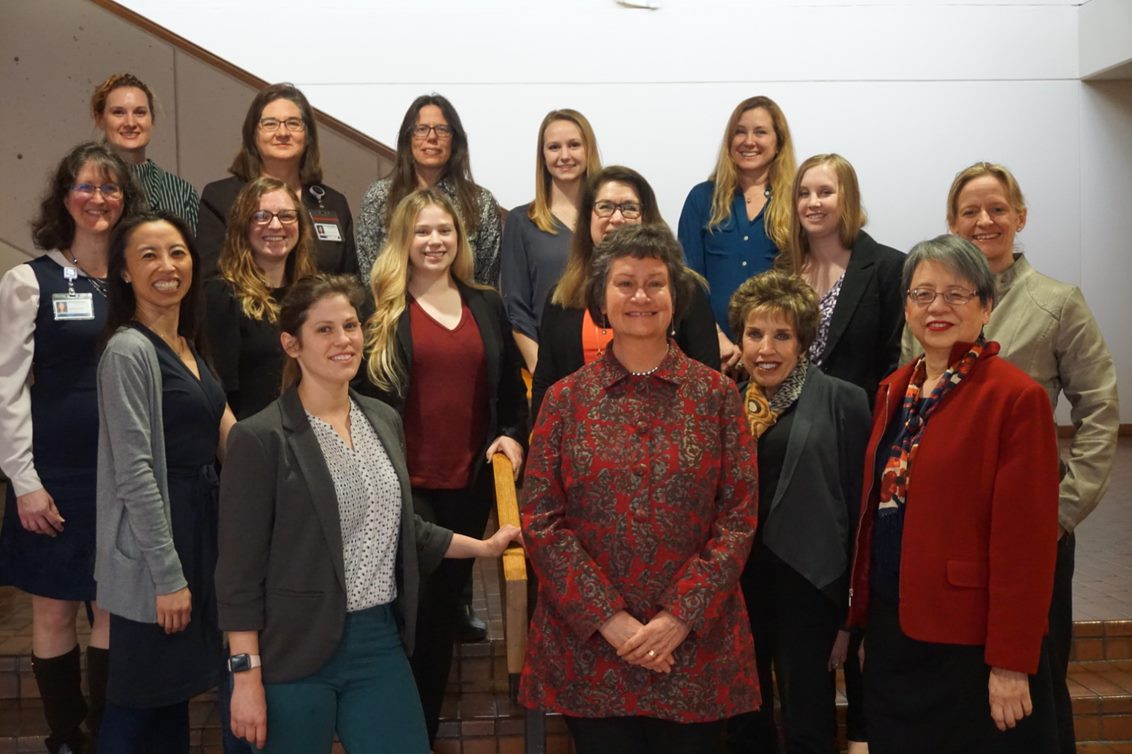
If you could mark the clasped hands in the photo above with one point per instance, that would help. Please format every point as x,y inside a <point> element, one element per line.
<point>648,645</point>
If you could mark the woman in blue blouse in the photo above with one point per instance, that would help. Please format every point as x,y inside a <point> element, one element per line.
<point>731,227</point>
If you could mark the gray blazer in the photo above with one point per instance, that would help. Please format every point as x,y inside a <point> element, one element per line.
<point>811,517</point>
<point>281,570</point>
<point>134,557</point>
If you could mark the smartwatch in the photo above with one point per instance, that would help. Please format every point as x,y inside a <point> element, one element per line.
<point>243,661</point>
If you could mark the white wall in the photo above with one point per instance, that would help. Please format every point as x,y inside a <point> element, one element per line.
<point>1106,37</point>
<point>909,91</point>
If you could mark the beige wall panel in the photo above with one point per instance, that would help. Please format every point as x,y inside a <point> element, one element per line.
<point>55,53</point>
<point>210,107</point>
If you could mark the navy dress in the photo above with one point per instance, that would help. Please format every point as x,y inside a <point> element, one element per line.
<point>157,669</point>
<point>64,413</point>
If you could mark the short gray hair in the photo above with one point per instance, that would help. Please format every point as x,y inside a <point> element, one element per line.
<point>960,256</point>
<point>652,241</point>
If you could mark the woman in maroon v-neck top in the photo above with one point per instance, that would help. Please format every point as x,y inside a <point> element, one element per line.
<point>441,352</point>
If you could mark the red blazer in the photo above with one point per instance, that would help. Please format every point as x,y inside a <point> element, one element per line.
<point>980,528</point>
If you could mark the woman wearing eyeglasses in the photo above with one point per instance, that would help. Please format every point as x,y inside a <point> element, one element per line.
<point>52,310</point>
<point>280,140</point>
<point>954,559</point>
<point>122,107</point>
<point>734,224</point>
<point>569,337</point>
<point>432,152</point>
<point>269,245</point>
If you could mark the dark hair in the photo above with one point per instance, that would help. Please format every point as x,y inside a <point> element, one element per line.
<point>248,163</point>
<point>779,292</point>
<point>570,291</point>
<point>53,227</point>
<point>957,254</point>
<point>118,81</point>
<point>650,241</point>
<point>297,303</point>
<point>458,169</point>
<point>122,304</point>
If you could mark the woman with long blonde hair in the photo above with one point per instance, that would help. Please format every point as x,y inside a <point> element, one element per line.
<point>536,238</point>
<point>268,245</point>
<point>734,224</point>
<point>441,353</point>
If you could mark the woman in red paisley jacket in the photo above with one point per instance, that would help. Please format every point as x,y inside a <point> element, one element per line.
<point>638,516</point>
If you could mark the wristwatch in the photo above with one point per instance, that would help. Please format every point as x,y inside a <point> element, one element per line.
<point>243,661</point>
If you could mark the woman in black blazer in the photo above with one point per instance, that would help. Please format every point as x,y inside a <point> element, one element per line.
<point>568,336</point>
<point>280,140</point>
<point>812,430</point>
<point>321,551</point>
<point>441,352</point>
<point>857,280</point>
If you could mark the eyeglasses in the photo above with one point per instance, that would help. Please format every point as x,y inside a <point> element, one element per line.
<point>285,216</point>
<point>294,125</point>
<point>629,210</point>
<point>953,297</point>
<point>442,132</point>
<point>86,190</point>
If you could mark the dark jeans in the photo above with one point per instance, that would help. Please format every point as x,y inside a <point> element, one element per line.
<point>642,735</point>
<point>464,512</point>
<point>154,730</point>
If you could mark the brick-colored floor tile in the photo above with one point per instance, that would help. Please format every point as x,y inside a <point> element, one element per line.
<point>480,746</point>
<point>1116,728</point>
<point>446,746</point>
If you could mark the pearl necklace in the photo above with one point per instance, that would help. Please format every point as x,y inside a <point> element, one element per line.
<point>647,372</point>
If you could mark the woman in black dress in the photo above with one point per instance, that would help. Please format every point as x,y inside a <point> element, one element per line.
<point>52,309</point>
<point>163,422</point>
<point>269,245</point>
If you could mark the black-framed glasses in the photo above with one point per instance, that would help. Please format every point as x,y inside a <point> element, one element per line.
<point>294,125</point>
<point>285,216</point>
<point>629,210</point>
<point>420,131</point>
<point>87,190</point>
<point>951,297</point>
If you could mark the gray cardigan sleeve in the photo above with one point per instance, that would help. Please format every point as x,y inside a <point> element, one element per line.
<point>127,388</point>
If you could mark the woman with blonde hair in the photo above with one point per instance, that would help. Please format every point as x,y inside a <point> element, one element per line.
<point>432,323</point>
<point>732,226</point>
<point>536,238</point>
<point>268,245</point>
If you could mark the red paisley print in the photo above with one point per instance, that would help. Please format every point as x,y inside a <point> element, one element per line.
<point>640,495</point>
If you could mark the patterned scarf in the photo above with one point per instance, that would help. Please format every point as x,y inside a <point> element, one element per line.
<point>902,454</point>
<point>763,413</point>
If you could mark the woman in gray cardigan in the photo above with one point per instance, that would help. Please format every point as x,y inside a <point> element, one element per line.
<point>162,421</point>
<point>320,550</point>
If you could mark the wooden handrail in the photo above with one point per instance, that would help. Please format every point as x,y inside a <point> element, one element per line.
<point>198,52</point>
<point>513,566</point>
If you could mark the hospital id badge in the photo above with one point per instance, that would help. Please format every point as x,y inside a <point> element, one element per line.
<point>326,226</point>
<point>72,306</point>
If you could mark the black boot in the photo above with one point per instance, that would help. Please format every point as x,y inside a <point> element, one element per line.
<point>97,668</point>
<point>60,689</point>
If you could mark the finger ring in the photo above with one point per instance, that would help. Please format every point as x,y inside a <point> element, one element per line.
<point>652,653</point>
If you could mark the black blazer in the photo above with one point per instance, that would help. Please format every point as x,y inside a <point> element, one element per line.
<point>507,395</point>
<point>812,516</point>
<point>868,321</point>
<point>281,569</point>
<point>216,203</point>
<point>560,342</point>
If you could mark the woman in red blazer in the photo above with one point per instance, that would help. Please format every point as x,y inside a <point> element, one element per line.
<point>955,551</point>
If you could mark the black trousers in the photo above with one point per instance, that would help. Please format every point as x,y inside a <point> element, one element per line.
<point>642,735</point>
<point>463,511</point>
<point>1059,642</point>
<point>794,626</point>
<point>931,698</point>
